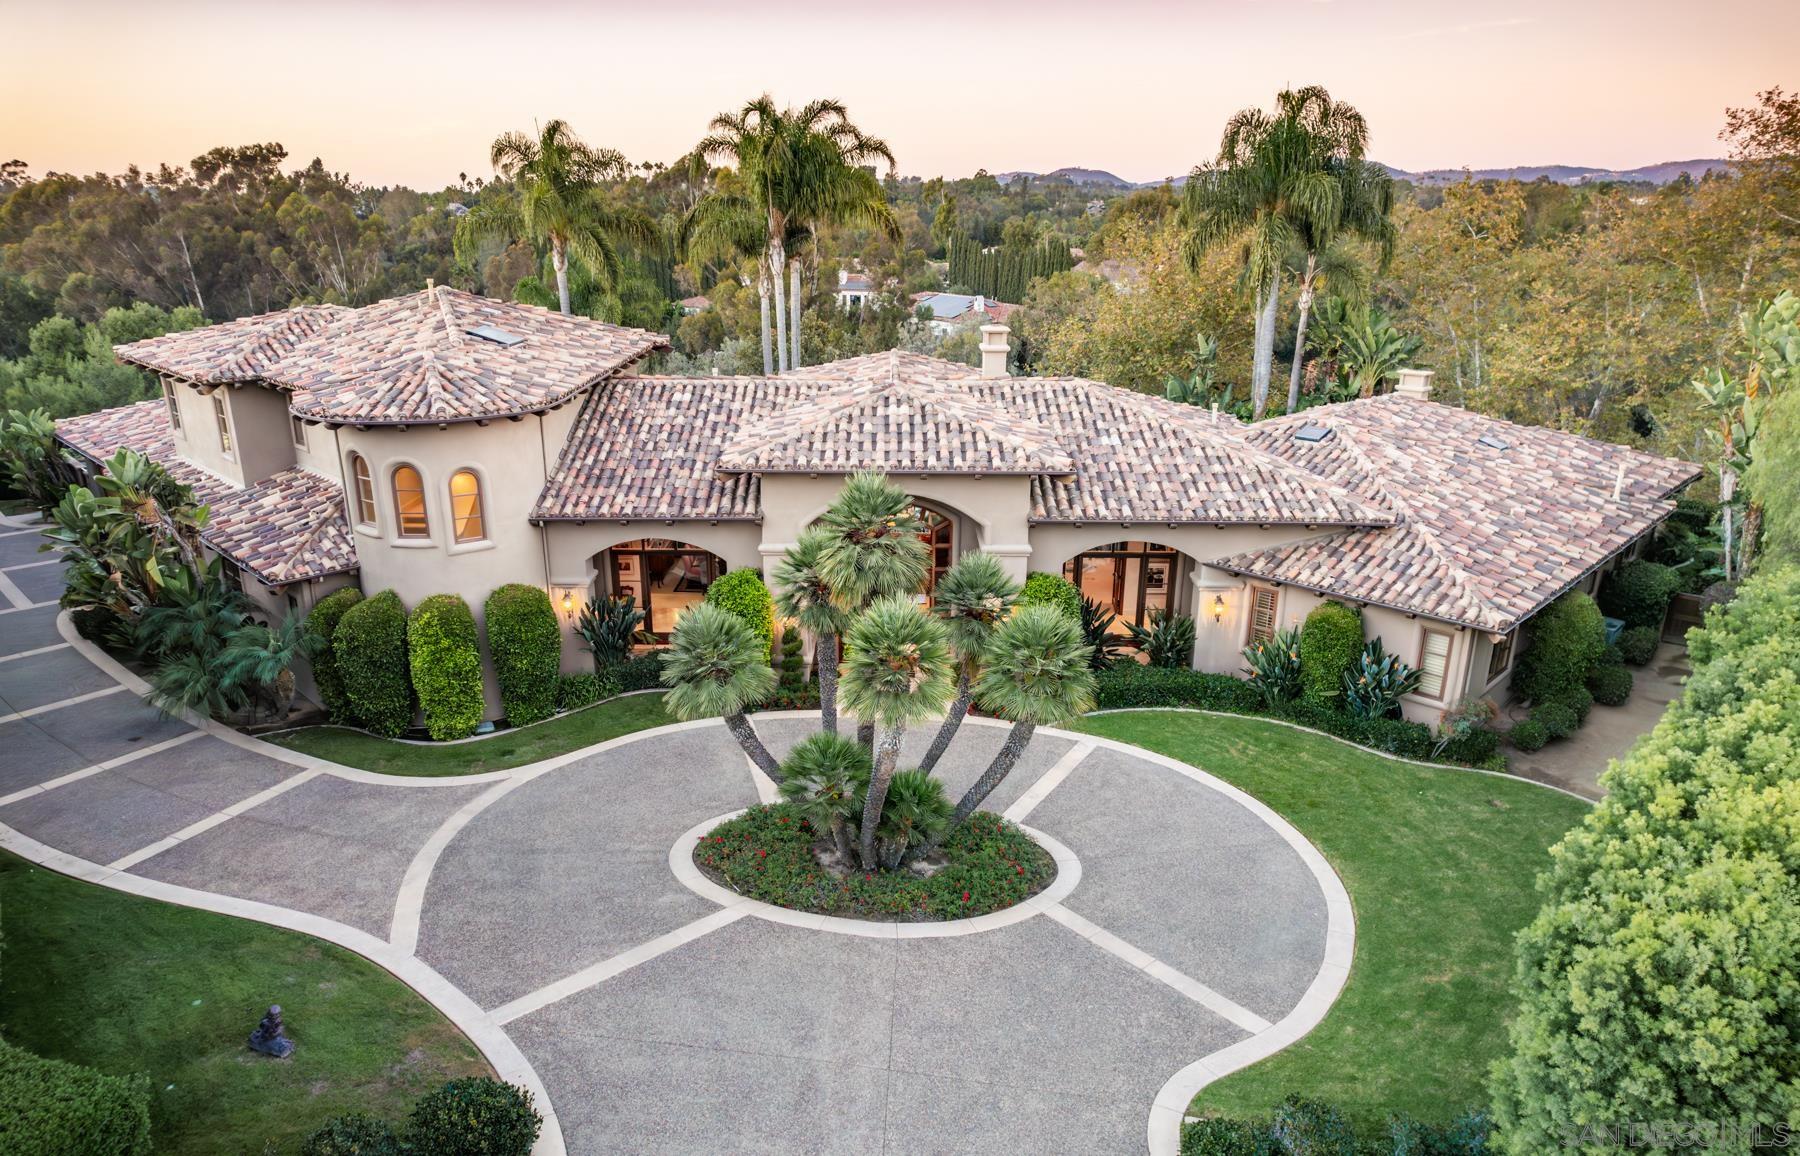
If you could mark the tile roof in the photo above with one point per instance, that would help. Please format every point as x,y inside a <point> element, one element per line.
<point>232,351</point>
<point>413,359</point>
<point>288,527</point>
<point>1489,533</point>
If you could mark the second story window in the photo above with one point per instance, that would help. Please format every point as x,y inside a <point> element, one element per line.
<point>174,406</point>
<point>409,503</point>
<point>218,402</point>
<point>365,490</point>
<point>465,506</point>
<point>299,431</point>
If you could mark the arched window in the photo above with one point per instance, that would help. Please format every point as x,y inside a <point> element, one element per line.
<point>409,503</point>
<point>365,490</point>
<point>465,506</point>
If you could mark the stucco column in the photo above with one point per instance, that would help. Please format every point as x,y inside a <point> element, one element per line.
<point>1014,558</point>
<point>1218,644</point>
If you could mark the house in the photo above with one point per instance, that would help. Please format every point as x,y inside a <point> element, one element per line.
<point>444,443</point>
<point>854,290</point>
<point>952,311</point>
<point>693,305</point>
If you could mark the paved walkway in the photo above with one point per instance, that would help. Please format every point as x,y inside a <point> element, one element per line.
<point>1575,763</point>
<point>549,911</point>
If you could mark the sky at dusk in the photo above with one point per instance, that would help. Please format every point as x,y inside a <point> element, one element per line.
<point>412,92</point>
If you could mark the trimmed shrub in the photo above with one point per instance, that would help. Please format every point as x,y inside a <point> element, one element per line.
<point>1581,701</point>
<point>1611,656</point>
<point>1331,642</point>
<point>1305,1127</point>
<point>49,1108</point>
<point>1222,1136</point>
<point>1473,747</point>
<point>525,644</point>
<point>1042,589</point>
<point>354,1135</point>
<point>1409,740</point>
<point>1529,735</point>
<point>1639,593</point>
<point>1566,641</point>
<point>474,1117</point>
<point>321,624</point>
<point>1637,644</point>
<point>446,666</point>
<point>1611,685</point>
<point>742,593</point>
<point>1557,719</point>
<point>644,672</point>
<point>1134,684</point>
<point>370,645</point>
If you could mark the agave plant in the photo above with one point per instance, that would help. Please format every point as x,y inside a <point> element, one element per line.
<point>716,665</point>
<point>1374,686</point>
<point>610,628</point>
<point>825,776</point>
<point>1168,643</point>
<point>1105,644</point>
<point>916,816</point>
<point>1274,666</point>
<point>802,595</point>
<point>972,599</point>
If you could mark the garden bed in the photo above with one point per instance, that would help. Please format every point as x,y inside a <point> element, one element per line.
<point>773,855</point>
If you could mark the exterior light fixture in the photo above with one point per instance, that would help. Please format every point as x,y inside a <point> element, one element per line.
<point>1218,609</point>
<point>568,602</point>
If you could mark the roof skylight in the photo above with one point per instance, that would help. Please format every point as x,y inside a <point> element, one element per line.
<point>496,335</point>
<point>1493,442</point>
<point>1311,433</point>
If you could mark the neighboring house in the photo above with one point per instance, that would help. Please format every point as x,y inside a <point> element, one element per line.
<point>952,311</point>
<point>442,442</point>
<point>854,290</point>
<point>693,305</point>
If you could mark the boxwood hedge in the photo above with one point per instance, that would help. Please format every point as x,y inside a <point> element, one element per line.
<point>1043,589</point>
<point>1566,640</point>
<point>322,624</point>
<point>1637,644</point>
<point>525,643</point>
<point>1611,685</point>
<point>446,666</point>
<point>52,1108</point>
<point>743,594</point>
<point>1639,593</point>
<point>370,646</point>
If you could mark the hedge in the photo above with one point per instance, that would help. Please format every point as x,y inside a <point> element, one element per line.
<point>357,1134</point>
<point>1637,644</point>
<point>1657,982</point>
<point>370,645</point>
<point>1611,685</point>
<point>52,1108</point>
<point>1639,593</point>
<point>1331,642</point>
<point>644,672</point>
<point>742,593</point>
<point>1566,641</point>
<point>1042,589</point>
<point>525,644</point>
<point>477,1116</point>
<point>1303,1127</point>
<point>446,666</point>
<point>1528,735</point>
<point>322,624</point>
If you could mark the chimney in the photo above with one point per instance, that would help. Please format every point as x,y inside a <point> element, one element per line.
<point>1414,383</point>
<point>994,348</point>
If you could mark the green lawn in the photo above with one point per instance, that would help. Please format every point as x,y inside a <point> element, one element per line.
<point>126,984</point>
<point>1440,867</point>
<point>570,732</point>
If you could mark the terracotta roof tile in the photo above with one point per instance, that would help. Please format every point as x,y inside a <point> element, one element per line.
<point>232,351</point>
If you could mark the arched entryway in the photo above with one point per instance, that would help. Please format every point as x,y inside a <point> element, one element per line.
<point>1131,579</point>
<point>940,540</point>
<point>663,575</point>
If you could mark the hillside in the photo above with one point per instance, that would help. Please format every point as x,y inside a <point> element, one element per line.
<point>1657,174</point>
<point>1072,174</point>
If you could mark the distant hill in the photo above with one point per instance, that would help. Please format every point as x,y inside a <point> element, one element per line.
<point>1075,176</point>
<point>1657,174</point>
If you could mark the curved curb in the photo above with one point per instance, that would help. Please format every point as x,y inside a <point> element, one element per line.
<point>681,863</point>
<point>493,734</point>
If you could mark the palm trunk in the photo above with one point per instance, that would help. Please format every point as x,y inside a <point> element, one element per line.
<point>1008,757</point>
<point>1306,300</point>
<point>778,274</point>
<point>865,734</point>
<point>840,837</point>
<point>826,658</point>
<point>952,721</point>
<point>559,260</point>
<point>794,313</point>
<point>887,754</point>
<point>1262,368</point>
<point>762,292</point>
<point>745,734</point>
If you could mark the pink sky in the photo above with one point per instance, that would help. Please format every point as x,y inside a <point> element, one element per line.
<point>412,92</point>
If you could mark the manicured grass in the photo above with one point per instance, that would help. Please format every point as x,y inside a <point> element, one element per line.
<point>126,984</point>
<point>544,740</point>
<point>1439,864</point>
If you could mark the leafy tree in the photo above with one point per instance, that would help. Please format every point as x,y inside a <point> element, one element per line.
<point>972,598</point>
<point>716,665</point>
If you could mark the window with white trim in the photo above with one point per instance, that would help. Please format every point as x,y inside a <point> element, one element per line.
<point>465,507</point>
<point>409,503</point>
<point>1434,663</point>
<point>174,406</point>
<point>365,490</point>
<point>218,404</point>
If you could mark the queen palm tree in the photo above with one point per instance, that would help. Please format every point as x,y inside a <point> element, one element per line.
<point>1365,202</point>
<point>972,598</point>
<point>803,596</point>
<point>557,200</point>
<point>898,671</point>
<point>716,665</point>
<point>824,776</point>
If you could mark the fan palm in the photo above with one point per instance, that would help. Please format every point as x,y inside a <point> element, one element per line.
<point>876,549</point>
<point>263,657</point>
<point>557,201</point>
<point>972,598</point>
<point>802,595</point>
<point>716,665</point>
<point>915,816</point>
<point>185,637</point>
<point>898,671</point>
<point>825,776</point>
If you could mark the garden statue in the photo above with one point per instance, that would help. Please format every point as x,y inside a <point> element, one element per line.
<point>269,1038</point>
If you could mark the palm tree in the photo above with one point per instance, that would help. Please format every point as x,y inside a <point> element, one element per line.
<point>898,671</point>
<point>972,598</point>
<point>1365,200</point>
<point>716,665</point>
<point>877,548</point>
<point>1269,183</point>
<point>824,776</point>
<point>263,657</point>
<point>184,637</point>
<point>915,816</point>
<point>803,596</point>
<point>1035,673</point>
<point>557,201</point>
<point>796,169</point>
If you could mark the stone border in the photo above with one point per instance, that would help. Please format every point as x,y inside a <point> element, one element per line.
<point>493,734</point>
<point>681,864</point>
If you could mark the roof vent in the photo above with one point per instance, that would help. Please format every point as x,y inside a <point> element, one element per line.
<point>1493,442</point>
<point>495,334</point>
<point>1311,433</point>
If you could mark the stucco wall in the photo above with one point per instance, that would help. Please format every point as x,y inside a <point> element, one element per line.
<point>990,512</point>
<point>198,438</point>
<point>262,435</point>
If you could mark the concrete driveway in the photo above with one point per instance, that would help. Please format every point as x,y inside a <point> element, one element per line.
<point>1576,763</point>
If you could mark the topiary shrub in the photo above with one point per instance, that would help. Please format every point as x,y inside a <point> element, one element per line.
<point>1566,640</point>
<point>1611,685</point>
<point>1528,735</point>
<point>474,1117</point>
<point>370,645</point>
<point>446,666</point>
<point>1331,642</point>
<point>1637,644</point>
<point>49,1108</point>
<point>353,1135</point>
<point>1557,719</point>
<point>321,624</point>
<point>1471,748</point>
<point>1043,589</point>
<point>742,593</point>
<point>525,644</point>
<point>1639,593</point>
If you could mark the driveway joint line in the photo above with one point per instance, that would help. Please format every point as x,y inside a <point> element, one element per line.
<point>34,653</point>
<point>1048,781</point>
<point>50,706</point>
<point>109,764</point>
<point>127,862</point>
<point>409,901</point>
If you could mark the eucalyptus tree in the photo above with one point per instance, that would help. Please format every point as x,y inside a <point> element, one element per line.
<point>897,671</point>
<point>1329,259</point>
<point>557,200</point>
<point>716,665</point>
<point>802,595</point>
<point>972,599</point>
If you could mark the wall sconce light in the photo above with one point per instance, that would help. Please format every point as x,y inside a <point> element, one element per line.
<point>1218,609</point>
<point>568,602</point>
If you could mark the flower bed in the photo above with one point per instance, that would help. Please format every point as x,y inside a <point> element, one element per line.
<point>773,855</point>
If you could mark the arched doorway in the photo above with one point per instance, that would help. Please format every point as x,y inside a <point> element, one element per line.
<point>1133,579</point>
<point>663,575</point>
<point>940,540</point>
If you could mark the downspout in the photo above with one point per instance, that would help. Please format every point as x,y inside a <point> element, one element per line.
<point>544,471</point>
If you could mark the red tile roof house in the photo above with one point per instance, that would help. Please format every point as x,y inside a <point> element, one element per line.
<point>443,442</point>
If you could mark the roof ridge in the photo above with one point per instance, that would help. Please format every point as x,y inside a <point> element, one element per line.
<point>448,314</point>
<point>334,508</point>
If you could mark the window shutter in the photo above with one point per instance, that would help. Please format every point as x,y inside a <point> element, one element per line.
<point>1434,664</point>
<point>1262,613</point>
